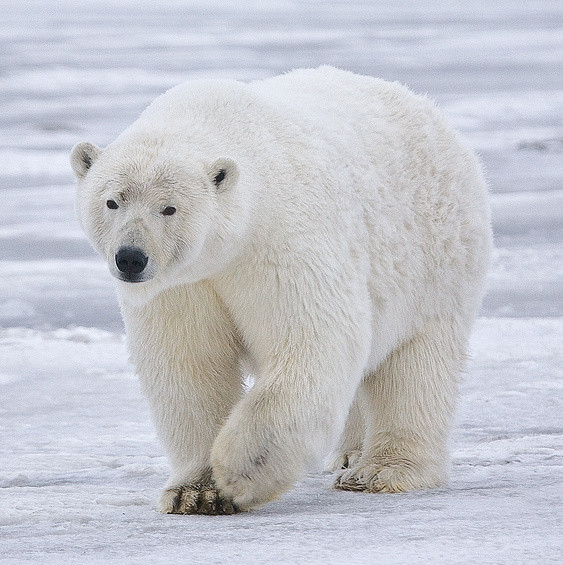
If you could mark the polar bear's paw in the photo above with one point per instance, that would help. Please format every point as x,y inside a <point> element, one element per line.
<point>254,486</point>
<point>386,474</point>
<point>196,499</point>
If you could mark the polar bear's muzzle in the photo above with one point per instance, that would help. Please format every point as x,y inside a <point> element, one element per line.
<point>131,262</point>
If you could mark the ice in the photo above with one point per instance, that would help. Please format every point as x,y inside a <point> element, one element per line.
<point>80,466</point>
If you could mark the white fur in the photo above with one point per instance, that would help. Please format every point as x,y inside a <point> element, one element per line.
<point>343,254</point>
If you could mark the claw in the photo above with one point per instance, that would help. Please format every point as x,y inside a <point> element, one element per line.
<point>196,499</point>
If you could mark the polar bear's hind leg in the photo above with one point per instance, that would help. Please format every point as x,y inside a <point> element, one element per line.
<point>411,400</point>
<point>349,450</point>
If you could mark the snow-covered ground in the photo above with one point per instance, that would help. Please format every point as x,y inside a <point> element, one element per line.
<point>80,468</point>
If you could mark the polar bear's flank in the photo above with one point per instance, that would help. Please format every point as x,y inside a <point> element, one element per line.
<point>327,232</point>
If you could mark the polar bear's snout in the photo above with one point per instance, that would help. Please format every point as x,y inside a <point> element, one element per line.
<point>131,262</point>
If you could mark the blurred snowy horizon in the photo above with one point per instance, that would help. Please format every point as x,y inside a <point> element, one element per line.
<point>74,72</point>
<point>80,467</point>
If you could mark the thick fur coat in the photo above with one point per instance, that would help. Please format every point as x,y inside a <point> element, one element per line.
<point>327,230</point>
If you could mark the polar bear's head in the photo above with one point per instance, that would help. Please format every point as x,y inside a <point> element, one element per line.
<point>158,220</point>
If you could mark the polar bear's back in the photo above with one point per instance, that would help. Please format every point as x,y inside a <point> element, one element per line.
<point>421,189</point>
<point>378,127</point>
<point>340,100</point>
<point>327,89</point>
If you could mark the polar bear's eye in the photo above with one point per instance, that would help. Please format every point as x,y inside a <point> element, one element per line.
<point>169,211</point>
<point>112,204</point>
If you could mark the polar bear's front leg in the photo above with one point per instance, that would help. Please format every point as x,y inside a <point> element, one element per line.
<point>187,356</point>
<point>289,420</point>
<point>286,424</point>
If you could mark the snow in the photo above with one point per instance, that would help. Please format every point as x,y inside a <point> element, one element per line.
<point>83,469</point>
<point>80,467</point>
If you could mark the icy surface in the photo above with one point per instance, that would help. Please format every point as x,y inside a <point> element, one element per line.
<point>80,468</point>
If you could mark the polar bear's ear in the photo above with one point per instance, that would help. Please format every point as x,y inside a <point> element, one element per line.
<point>82,158</point>
<point>223,173</point>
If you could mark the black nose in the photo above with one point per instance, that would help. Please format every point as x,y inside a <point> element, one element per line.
<point>131,261</point>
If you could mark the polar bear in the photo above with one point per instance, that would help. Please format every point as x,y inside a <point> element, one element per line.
<point>327,230</point>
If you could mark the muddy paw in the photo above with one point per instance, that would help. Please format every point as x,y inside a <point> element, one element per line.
<point>195,499</point>
<point>388,475</point>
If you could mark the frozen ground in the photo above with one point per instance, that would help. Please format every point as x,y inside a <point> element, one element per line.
<point>80,469</point>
